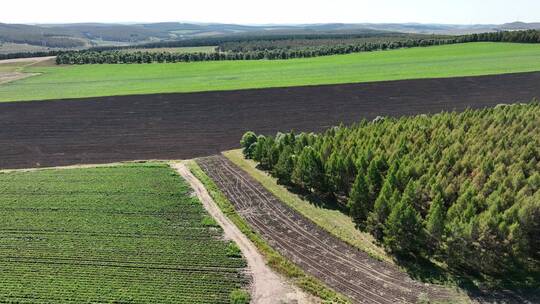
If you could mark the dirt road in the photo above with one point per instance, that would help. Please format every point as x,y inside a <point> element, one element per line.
<point>268,287</point>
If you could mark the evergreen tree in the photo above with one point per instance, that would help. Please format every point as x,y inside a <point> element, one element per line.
<point>285,166</point>
<point>308,171</point>
<point>374,178</point>
<point>259,152</point>
<point>403,233</point>
<point>358,202</point>
<point>435,221</point>
<point>383,206</point>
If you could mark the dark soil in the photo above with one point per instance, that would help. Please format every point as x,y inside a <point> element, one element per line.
<point>181,126</point>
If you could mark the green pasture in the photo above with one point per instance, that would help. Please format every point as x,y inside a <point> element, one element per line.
<point>430,62</point>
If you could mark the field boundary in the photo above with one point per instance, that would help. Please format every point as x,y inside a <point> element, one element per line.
<point>317,252</point>
<point>267,286</point>
<point>280,192</point>
<point>84,166</point>
<point>275,260</point>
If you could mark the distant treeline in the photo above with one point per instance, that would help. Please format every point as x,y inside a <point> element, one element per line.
<point>29,55</point>
<point>94,57</point>
<point>219,41</point>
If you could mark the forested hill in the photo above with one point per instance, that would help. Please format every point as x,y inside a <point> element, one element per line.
<point>460,188</point>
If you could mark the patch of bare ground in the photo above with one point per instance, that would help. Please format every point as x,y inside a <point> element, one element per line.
<point>31,60</point>
<point>9,77</point>
<point>13,69</point>
<point>268,287</point>
<point>344,268</point>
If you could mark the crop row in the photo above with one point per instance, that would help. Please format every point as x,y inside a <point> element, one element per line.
<point>125,234</point>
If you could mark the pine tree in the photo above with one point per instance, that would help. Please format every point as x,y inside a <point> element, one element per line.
<point>435,221</point>
<point>285,166</point>
<point>308,171</point>
<point>403,233</point>
<point>374,177</point>
<point>358,202</point>
<point>260,149</point>
<point>335,172</point>
<point>383,206</point>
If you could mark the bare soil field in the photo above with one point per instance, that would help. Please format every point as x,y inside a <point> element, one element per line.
<point>182,126</point>
<point>9,77</point>
<point>342,267</point>
<point>10,69</point>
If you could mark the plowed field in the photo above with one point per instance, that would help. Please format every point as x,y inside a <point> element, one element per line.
<point>181,126</point>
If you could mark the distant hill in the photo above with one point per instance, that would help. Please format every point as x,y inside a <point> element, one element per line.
<point>83,35</point>
<point>515,26</point>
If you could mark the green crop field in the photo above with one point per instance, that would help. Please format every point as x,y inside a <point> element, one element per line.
<point>439,61</point>
<point>125,234</point>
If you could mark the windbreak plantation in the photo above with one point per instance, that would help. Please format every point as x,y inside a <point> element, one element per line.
<point>458,188</point>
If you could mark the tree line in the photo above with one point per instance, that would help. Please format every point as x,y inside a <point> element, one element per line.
<point>460,188</point>
<point>29,54</point>
<point>246,37</point>
<point>138,57</point>
<point>103,57</point>
<point>301,43</point>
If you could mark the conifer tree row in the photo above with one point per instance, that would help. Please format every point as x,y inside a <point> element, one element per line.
<point>108,57</point>
<point>461,188</point>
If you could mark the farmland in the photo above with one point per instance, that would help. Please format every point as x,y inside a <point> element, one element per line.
<point>11,69</point>
<point>377,167</point>
<point>345,269</point>
<point>125,234</point>
<point>182,126</point>
<point>416,63</point>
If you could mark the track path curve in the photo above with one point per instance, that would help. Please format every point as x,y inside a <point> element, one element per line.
<point>267,287</point>
<point>344,268</point>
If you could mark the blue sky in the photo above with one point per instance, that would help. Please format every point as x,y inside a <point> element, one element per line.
<point>272,11</point>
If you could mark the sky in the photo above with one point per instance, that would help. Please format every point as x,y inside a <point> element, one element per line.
<point>271,12</point>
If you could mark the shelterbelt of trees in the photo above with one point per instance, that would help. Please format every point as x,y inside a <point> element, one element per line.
<point>460,188</point>
<point>29,54</point>
<point>256,53</point>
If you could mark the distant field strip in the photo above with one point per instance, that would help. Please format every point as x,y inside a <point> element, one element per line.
<point>468,59</point>
<point>125,234</point>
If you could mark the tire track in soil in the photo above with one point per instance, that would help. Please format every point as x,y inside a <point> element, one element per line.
<point>267,287</point>
<point>342,267</point>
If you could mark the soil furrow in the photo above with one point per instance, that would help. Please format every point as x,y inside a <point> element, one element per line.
<point>183,126</point>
